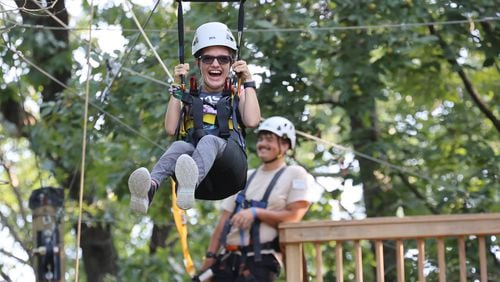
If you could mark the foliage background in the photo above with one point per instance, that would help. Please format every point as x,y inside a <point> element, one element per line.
<point>413,84</point>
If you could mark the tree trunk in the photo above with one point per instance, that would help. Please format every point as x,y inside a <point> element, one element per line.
<point>159,237</point>
<point>98,252</point>
<point>377,202</point>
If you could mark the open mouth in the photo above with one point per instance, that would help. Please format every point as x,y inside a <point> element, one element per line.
<point>215,73</point>
<point>263,149</point>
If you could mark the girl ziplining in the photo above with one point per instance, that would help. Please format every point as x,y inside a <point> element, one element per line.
<point>210,163</point>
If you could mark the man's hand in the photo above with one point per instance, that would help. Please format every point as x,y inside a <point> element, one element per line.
<point>243,219</point>
<point>207,263</point>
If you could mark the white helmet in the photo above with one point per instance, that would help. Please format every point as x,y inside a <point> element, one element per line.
<point>212,34</point>
<point>281,127</point>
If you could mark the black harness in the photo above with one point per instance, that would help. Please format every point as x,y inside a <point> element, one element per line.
<point>226,108</point>
<point>243,203</point>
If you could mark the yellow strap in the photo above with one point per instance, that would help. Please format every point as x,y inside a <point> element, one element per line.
<point>209,119</point>
<point>180,220</point>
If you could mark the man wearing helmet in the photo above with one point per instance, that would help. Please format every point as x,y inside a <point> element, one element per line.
<point>244,245</point>
<point>207,165</point>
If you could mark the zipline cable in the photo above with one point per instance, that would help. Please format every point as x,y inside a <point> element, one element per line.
<point>363,155</point>
<point>127,54</point>
<point>53,16</point>
<point>74,92</point>
<point>180,34</point>
<point>274,30</point>
<point>147,77</point>
<point>127,3</point>
<point>241,25</point>
<point>84,147</point>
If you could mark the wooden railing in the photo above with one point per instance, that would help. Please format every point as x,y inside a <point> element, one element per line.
<point>419,229</point>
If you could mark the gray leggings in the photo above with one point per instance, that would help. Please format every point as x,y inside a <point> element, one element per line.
<point>209,148</point>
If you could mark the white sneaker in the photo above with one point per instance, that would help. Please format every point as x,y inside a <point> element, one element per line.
<point>186,172</point>
<point>139,183</point>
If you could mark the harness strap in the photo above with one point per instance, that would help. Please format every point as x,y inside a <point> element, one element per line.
<point>226,119</point>
<point>181,226</point>
<point>223,114</point>
<point>273,245</point>
<point>235,117</point>
<point>240,199</point>
<point>180,33</point>
<point>197,112</point>
<point>241,24</point>
<point>187,101</point>
<point>242,203</point>
<point>254,231</point>
<point>209,119</point>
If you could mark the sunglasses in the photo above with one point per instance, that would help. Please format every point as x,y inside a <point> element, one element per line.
<point>207,59</point>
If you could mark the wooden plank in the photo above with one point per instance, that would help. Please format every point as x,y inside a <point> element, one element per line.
<point>358,261</point>
<point>461,259</point>
<point>421,260</point>
<point>441,260</point>
<point>483,264</point>
<point>400,260</point>
<point>379,257</point>
<point>391,228</point>
<point>319,263</point>
<point>339,261</point>
<point>294,262</point>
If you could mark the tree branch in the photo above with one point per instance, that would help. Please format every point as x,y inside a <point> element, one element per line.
<point>490,35</point>
<point>14,185</point>
<point>325,102</point>
<point>5,276</point>
<point>417,193</point>
<point>10,255</point>
<point>467,83</point>
<point>12,231</point>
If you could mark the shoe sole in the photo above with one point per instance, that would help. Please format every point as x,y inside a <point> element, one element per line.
<point>139,183</point>
<point>186,172</point>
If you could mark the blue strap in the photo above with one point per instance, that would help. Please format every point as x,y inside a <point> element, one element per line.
<point>240,202</point>
<point>254,231</point>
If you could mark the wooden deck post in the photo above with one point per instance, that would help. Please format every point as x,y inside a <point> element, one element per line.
<point>421,260</point>
<point>294,271</point>
<point>379,256</point>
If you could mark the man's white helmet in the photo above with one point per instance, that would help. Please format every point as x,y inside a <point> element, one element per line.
<point>212,34</point>
<point>281,127</point>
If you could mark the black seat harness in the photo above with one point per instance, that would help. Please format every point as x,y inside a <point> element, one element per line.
<point>243,203</point>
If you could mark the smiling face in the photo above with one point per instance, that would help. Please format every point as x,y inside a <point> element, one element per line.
<point>270,147</point>
<point>214,74</point>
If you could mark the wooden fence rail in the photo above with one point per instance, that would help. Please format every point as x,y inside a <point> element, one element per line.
<point>377,230</point>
